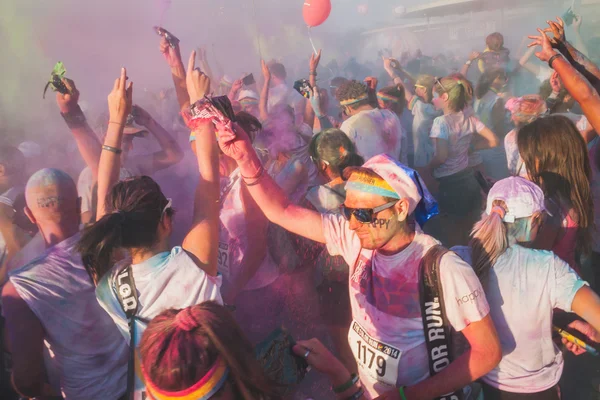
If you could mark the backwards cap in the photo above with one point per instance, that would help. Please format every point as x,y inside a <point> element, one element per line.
<point>523,198</point>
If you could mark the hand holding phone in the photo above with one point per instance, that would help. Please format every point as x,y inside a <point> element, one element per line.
<point>303,87</point>
<point>172,39</point>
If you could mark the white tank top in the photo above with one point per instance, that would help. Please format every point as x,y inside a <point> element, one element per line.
<point>233,237</point>
<point>87,352</point>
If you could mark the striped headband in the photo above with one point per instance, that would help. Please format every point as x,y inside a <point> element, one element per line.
<point>248,101</point>
<point>387,97</point>
<point>368,184</point>
<point>352,101</point>
<point>210,384</point>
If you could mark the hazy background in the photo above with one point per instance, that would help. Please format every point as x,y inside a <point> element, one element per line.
<point>94,39</point>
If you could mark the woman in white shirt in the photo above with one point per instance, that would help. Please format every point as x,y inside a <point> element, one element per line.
<point>453,135</point>
<point>135,216</point>
<point>523,286</point>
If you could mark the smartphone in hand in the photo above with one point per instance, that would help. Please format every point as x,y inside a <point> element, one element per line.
<point>172,39</point>
<point>248,80</point>
<point>303,87</point>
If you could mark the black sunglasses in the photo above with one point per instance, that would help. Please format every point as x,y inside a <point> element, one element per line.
<point>365,215</point>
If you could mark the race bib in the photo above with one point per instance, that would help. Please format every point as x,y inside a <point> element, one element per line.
<point>223,259</point>
<point>374,358</point>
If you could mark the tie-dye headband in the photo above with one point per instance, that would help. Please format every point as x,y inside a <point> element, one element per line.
<point>387,97</point>
<point>352,101</point>
<point>248,102</point>
<point>367,184</point>
<point>210,384</point>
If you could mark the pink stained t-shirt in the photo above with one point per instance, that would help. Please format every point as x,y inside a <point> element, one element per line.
<point>386,312</point>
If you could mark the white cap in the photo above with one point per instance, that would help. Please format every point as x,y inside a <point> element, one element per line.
<point>248,94</point>
<point>522,198</point>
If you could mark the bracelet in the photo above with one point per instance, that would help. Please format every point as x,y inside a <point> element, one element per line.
<point>401,391</point>
<point>351,382</point>
<point>75,118</point>
<point>469,62</point>
<point>554,57</point>
<point>357,395</point>
<point>256,176</point>
<point>314,73</point>
<point>112,149</point>
<point>257,179</point>
<point>118,123</point>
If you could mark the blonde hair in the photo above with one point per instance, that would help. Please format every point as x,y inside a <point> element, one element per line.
<point>491,237</point>
<point>459,89</point>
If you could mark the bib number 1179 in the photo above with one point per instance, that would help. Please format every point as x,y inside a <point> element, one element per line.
<point>368,358</point>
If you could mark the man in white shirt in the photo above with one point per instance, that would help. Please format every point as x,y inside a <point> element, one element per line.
<point>51,303</point>
<point>281,93</point>
<point>373,131</point>
<point>377,237</point>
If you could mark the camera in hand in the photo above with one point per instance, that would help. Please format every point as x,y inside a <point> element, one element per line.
<point>172,39</point>
<point>303,87</point>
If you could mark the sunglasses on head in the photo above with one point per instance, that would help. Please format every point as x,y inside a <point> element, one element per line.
<point>438,81</point>
<point>365,215</point>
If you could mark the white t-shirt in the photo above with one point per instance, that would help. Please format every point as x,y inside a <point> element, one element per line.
<point>376,132</point>
<point>524,286</point>
<point>167,280</point>
<point>384,294</point>
<point>423,116</point>
<point>282,94</point>
<point>86,182</point>
<point>87,353</point>
<point>457,129</point>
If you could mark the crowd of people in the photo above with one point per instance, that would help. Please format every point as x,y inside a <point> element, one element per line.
<point>418,237</point>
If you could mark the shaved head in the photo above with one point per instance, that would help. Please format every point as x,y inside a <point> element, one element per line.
<point>51,196</point>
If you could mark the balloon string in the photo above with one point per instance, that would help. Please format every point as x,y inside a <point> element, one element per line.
<point>311,41</point>
<point>256,29</point>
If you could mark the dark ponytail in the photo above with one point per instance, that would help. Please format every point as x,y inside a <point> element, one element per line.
<point>333,147</point>
<point>135,209</point>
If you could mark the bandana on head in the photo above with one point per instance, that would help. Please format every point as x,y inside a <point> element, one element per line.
<point>353,101</point>
<point>403,182</point>
<point>387,97</point>
<point>526,109</point>
<point>206,387</point>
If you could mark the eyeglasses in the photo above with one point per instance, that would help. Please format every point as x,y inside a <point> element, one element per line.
<point>365,215</point>
<point>438,81</point>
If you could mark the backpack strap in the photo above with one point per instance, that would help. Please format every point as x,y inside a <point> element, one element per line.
<point>438,333</point>
<point>128,299</point>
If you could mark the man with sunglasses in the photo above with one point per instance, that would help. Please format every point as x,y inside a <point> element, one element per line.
<point>373,131</point>
<point>377,236</point>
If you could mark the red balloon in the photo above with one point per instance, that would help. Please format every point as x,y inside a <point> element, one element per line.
<point>315,12</point>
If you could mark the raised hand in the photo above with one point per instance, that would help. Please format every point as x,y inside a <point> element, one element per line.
<point>577,21</point>
<point>314,61</point>
<point>120,99</point>
<point>67,102</point>
<point>172,55</point>
<point>544,42</point>
<point>265,70</point>
<point>141,116</point>
<point>234,144</point>
<point>315,101</point>
<point>474,55</point>
<point>198,84</point>
<point>558,30</point>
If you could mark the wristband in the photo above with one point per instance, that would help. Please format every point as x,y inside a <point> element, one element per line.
<point>469,62</point>
<point>342,388</point>
<point>401,391</point>
<point>75,118</point>
<point>357,395</point>
<point>112,149</point>
<point>314,73</point>
<point>554,57</point>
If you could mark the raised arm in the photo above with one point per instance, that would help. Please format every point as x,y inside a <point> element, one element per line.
<point>173,57</point>
<point>583,64</point>
<point>309,110</point>
<point>579,43</point>
<point>170,153</point>
<point>87,142</point>
<point>528,65</point>
<point>270,198</point>
<point>395,75</point>
<point>202,241</point>
<point>264,94</point>
<point>119,107</point>
<point>575,83</point>
<point>204,64</point>
<point>472,57</point>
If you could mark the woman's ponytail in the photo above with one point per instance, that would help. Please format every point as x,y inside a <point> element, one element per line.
<point>98,243</point>
<point>489,241</point>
